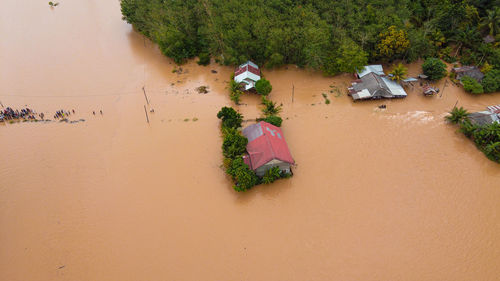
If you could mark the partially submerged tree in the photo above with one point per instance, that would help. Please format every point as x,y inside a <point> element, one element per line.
<point>274,120</point>
<point>263,87</point>
<point>399,72</point>
<point>230,118</point>
<point>243,176</point>
<point>471,85</point>
<point>270,107</point>
<point>235,91</point>
<point>234,143</point>
<point>491,81</point>
<point>434,68</point>
<point>457,115</point>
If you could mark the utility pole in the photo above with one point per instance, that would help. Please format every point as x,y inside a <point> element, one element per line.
<point>145,111</point>
<point>145,95</point>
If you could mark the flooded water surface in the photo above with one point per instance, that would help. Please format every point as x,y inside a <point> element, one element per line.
<point>394,194</point>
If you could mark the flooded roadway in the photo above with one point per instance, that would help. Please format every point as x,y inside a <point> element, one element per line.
<point>377,195</point>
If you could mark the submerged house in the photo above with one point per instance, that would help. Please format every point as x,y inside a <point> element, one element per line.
<point>471,71</point>
<point>375,68</point>
<point>247,74</point>
<point>373,85</point>
<point>266,149</point>
<point>486,117</point>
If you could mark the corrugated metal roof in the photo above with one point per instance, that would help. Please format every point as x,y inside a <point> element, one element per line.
<point>471,71</point>
<point>375,68</point>
<point>483,118</point>
<point>265,143</point>
<point>494,108</point>
<point>394,87</point>
<point>373,85</point>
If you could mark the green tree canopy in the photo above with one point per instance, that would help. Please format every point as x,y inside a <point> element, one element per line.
<point>434,68</point>
<point>230,118</point>
<point>263,87</point>
<point>471,85</point>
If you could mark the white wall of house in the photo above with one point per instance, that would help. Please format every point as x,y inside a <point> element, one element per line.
<point>284,166</point>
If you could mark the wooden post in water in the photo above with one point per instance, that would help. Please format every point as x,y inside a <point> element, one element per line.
<point>145,111</point>
<point>145,95</point>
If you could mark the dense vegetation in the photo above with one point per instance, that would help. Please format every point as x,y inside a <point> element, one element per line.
<point>486,138</point>
<point>434,68</point>
<point>233,148</point>
<point>334,36</point>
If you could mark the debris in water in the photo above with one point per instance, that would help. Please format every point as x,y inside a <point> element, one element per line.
<point>202,89</point>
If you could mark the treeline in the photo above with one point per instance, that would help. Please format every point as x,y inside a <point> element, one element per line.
<point>334,36</point>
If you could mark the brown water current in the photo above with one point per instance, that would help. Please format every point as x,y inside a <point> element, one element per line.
<point>393,194</point>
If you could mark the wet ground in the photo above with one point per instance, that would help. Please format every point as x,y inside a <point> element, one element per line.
<point>394,194</point>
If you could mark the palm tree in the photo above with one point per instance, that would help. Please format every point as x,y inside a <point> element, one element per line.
<point>457,115</point>
<point>492,21</point>
<point>270,107</point>
<point>399,72</point>
<point>466,38</point>
<point>234,91</point>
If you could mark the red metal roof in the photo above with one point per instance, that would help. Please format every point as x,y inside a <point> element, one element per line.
<point>265,143</point>
<point>248,68</point>
<point>253,70</point>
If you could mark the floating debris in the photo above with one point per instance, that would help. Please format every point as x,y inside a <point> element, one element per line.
<point>202,89</point>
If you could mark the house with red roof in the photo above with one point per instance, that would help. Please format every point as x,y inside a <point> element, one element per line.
<point>247,74</point>
<point>266,148</point>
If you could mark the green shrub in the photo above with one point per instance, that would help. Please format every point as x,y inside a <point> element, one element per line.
<point>204,59</point>
<point>230,118</point>
<point>235,96</point>
<point>271,175</point>
<point>434,68</point>
<point>270,107</point>
<point>486,138</point>
<point>491,81</point>
<point>243,176</point>
<point>274,120</point>
<point>471,85</point>
<point>234,91</point>
<point>234,144</point>
<point>457,115</point>
<point>263,87</point>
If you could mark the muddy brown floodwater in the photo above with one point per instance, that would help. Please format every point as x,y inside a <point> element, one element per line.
<point>377,195</point>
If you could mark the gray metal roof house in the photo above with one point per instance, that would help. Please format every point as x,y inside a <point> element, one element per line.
<point>375,86</point>
<point>375,68</point>
<point>471,71</point>
<point>483,118</point>
<point>486,117</point>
